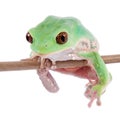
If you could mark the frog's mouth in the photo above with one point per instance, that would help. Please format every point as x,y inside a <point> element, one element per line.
<point>64,55</point>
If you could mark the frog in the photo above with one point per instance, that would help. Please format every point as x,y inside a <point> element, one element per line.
<point>62,39</point>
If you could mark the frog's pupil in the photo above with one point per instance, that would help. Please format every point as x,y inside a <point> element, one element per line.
<point>63,38</point>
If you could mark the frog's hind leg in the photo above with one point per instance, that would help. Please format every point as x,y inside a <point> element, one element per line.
<point>94,91</point>
<point>47,80</point>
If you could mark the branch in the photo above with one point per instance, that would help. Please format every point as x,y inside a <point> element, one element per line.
<point>28,65</point>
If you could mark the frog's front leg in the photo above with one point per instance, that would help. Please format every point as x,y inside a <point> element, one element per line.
<point>94,91</point>
<point>46,77</point>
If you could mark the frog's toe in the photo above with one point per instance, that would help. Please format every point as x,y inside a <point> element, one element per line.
<point>98,101</point>
<point>94,96</point>
<point>88,91</point>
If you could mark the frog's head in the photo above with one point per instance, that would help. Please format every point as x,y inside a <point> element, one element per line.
<point>55,34</point>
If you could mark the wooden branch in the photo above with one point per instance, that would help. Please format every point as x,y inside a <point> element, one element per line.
<point>28,65</point>
<point>111,58</point>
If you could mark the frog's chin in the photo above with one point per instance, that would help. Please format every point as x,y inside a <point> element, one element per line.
<point>64,55</point>
<point>53,55</point>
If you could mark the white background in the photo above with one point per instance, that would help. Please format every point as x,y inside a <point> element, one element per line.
<point>22,96</point>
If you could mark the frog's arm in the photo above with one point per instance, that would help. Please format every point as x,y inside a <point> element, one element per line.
<point>94,91</point>
<point>47,80</point>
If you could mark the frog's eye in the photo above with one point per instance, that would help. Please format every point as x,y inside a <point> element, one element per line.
<point>29,37</point>
<point>62,38</point>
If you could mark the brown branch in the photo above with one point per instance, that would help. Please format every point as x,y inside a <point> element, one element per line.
<point>111,58</point>
<point>27,65</point>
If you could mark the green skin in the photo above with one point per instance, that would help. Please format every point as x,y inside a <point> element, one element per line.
<point>80,43</point>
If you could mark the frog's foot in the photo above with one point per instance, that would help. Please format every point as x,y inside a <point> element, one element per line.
<point>92,95</point>
<point>47,80</point>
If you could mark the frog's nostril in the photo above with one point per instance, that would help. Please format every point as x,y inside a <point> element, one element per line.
<point>46,46</point>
